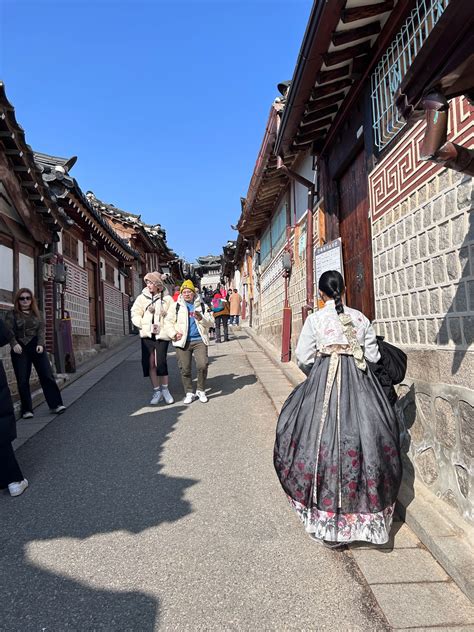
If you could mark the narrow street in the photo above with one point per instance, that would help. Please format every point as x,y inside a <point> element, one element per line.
<point>166,518</point>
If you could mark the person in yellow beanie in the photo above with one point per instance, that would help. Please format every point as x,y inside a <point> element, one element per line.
<point>189,285</point>
<point>188,327</point>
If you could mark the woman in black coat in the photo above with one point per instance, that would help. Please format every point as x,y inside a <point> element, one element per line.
<point>10,473</point>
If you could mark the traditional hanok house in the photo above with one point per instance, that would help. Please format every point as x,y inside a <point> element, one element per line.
<point>148,241</point>
<point>30,225</point>
<point>405,224</point>
<point>273,228</point>
<point>209,269</point>
<point>96,258</point>
<point>230,274</point>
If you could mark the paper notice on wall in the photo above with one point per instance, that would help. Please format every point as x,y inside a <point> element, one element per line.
<point>328,257</point>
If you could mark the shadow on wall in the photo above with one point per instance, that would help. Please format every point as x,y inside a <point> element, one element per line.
<point>460,329</point>
<point>406,412</point>
<point>69,545</point>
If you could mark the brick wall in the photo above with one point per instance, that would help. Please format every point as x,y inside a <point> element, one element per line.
<point>113,308</point>
<point>76,299</point>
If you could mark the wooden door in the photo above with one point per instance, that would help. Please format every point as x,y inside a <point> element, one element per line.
<point>92,278</point>
<point>354,226</point>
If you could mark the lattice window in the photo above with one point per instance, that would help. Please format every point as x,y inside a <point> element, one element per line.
<point>109,273</point>
<point>393,66</point>
<point>70,246</point>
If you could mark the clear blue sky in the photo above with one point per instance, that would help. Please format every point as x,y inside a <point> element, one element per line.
<point>163,101</point>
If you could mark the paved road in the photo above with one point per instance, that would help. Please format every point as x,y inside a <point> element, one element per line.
<point>167,518</point>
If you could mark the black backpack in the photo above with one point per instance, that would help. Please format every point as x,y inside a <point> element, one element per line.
<point>393,359</point>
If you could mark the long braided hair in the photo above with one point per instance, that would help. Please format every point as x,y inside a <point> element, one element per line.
<point>332,284</point>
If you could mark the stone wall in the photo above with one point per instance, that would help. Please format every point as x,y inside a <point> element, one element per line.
<point>423,245</point>
<point>113,308</point>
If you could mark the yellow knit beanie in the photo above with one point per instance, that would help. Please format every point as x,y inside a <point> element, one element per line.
<point>188,285</point>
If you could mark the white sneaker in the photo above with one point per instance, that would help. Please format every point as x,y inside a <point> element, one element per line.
<point>58,410</point>
<point>28,415</point>
<point>157,397</point>
<point>202,396</point>
<point>16,489</point>
<point>167,396</point>
<point>190,397</point>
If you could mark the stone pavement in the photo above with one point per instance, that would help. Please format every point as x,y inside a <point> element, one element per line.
<point>261,572</point>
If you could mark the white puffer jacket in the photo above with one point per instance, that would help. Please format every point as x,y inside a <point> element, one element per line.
<point>177,321</point>
<point>144,319</point>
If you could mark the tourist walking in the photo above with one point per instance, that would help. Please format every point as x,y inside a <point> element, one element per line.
<point>235,302</point>
<point>28,349</point>
<point>187,325</point>
<point>11,475</point>
<point>221,312</point>
<point>148,314</point>
<point>337,449</point>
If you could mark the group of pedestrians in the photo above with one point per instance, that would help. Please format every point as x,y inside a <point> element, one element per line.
<point>23,330</point>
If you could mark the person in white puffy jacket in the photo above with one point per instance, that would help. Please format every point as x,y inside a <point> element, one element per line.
<point>148,313</point>
<point>187,325</point>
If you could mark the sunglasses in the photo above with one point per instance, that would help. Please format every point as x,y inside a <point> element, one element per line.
<point>25,298</point>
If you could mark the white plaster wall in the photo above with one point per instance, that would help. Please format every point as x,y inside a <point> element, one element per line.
<point>27,272</point>
<point>6,268</point>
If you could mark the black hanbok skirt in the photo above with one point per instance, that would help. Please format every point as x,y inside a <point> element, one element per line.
<point>337,452</point>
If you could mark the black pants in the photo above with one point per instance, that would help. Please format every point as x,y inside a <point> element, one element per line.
<point>160,349</point>
<point>22,363</point>
<point>9,469</point>
<point>225,323</point>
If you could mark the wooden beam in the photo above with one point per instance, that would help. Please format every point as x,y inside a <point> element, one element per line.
<point>320,104</point>
<point>314,126</point>
<point>319,114</point>
<point>28,184</point>
<point>21,168</point>
<point>367,11</point>
<point>332,75</point>
<point>13,152</point>
<point>359,65</point>
<point>310,137</point>
<point>345,37</point>
<point>338,56</point>
<point>330,88</point>
<point>7,134</point>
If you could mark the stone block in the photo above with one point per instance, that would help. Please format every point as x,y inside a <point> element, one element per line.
<point>438,209</point>
<point>464,262</point>
<point>427,214</point>
<point>470,294</point>
<point>462,476</point>
<point>405,253</point>
<point>418,220</point>
<point>464,193</point>
<point>427,272</point>
<point>435,301</point>
<point>409,226</point>
<point>390,259</point>
<point>455,330</point>
<point>450,497</point>
<point>466,428</point>
<point>421,332</point>
<point>383,263</point>
<point>415,307</point>
<point>452,266</point>
<point>450,203</point>
<point>413,331</point>
<point>423,299</point>
<point>460,298</point>
<point>443,235</point>
<point>400,231</point>
<point>432,235</point>
<point>468,329</point>
<point>392,235</point>
<point>439,270</point>
<point>444,180</point>
<point>432,187</point>
<point>427,466</point>
<point>419,279</point>
<point>402,283</point>
<point>406,305</point>
<point>445,424</point>
<point>458,230</point>
<point>388,284</point>
<point>431,331</point>
<point>410,276</point>
<point>447,299</point>
<point>443,334</point>
<point>423,245</point>
<point>404,333</point>
<point>414,249</point>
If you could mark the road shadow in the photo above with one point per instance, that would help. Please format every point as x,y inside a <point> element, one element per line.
<point>95,471</point>
<point>221,385</point>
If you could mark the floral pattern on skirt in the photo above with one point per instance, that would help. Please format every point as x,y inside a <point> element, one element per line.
<point>338,527</point>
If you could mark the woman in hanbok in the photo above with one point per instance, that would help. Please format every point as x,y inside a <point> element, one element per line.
<point>337,451</point>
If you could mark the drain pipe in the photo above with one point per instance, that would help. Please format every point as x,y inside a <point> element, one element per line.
<point>309,307</point>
